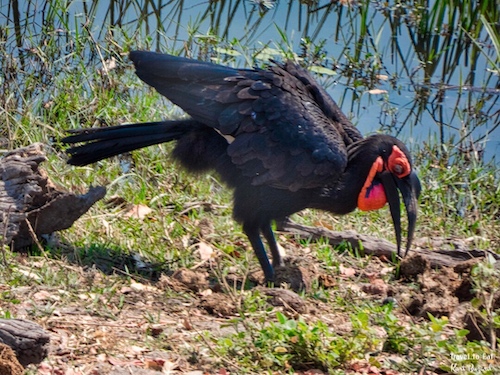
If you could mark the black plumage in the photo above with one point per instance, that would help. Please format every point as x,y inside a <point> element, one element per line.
<point>273,135</point>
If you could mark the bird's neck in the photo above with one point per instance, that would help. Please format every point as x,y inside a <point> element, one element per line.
<point>342,197</point>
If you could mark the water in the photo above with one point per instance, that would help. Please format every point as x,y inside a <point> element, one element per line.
<point>416,75</point>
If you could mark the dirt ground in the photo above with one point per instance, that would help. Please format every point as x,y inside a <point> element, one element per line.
<point>118,332</point>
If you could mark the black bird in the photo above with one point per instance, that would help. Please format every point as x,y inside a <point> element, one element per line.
<point>273,135</point>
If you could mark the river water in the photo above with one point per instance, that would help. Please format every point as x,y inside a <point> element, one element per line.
<point>392,66</point>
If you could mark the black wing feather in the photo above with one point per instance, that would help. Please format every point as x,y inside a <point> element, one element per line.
<point>288,132</point>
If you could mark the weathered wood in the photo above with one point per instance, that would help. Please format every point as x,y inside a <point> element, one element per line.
<point>29,341</point>
<point>30,204</point>
<point>379,247</point>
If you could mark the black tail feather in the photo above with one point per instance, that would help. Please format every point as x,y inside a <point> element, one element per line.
<point>102,143</point>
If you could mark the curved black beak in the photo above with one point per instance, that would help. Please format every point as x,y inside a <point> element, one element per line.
<point>410,188</point>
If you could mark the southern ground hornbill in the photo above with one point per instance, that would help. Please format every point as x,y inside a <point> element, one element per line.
<point>274,135</point>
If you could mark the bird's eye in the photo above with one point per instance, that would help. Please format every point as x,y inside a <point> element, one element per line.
<point>398,163</point>
<point>398,169</point>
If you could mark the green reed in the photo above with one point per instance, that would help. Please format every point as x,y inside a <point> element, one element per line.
<point>448,41</point>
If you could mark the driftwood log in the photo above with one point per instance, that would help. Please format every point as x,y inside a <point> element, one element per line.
<point>382,248</point>
<point>30,204</point>
<point>28,340</point>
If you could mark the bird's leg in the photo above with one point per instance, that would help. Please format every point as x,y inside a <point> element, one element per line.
<point>253,235</point>
<point>277,254</point>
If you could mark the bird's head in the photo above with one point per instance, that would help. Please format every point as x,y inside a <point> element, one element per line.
<point>387,165</point>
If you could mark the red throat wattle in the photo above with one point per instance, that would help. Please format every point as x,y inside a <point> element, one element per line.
<point>372,195</point>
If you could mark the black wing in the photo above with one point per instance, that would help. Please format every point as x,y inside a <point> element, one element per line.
<point>284,130</point>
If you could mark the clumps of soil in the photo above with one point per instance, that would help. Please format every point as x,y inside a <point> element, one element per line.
<point>475,324</point>
<point>9,365</point>
<point>446,291</point>
<point>421,290</point>
<point>195,281</point>
<point>297,277</point>
<point>215,302</point>
<point>290,301</point>
<point>218,304</point>
<point>413,265</point>
<point>440,290</point>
